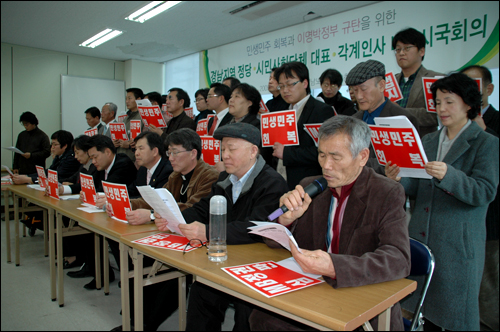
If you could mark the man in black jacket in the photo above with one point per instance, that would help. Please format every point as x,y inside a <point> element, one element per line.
<point>252,190</point>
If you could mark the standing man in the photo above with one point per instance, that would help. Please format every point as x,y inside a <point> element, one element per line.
<point>353,234</point>
<point>298,162</point>
<point>177,101</point>
<point>217,100</point>
<point>231,82</point>
<point>367,80</point>
<point>93,117</point>
<point>277,103</point>
<point>127,147</point>
<point>409,47</point>
<point>108,115</point>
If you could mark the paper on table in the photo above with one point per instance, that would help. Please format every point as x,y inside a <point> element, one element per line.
<point>162,201</point>
<point>291,264</point>
<point>69,197</point>
<point>36,187</point>
<point>90,209</point>
<point>274,231</point>
<point>14,149</point>
<point>8,170</point>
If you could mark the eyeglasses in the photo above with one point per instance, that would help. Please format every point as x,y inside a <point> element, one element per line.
<point>195,243</point>
<point>210,96</point>
<point>289,86</point>
<point>55,144</point>
<point>406,49</point>
<point>198,100</point>
<point>174,154</point>
<point>326,85</point>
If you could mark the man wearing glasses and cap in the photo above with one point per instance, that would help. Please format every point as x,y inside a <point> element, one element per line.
<point>252,190</point>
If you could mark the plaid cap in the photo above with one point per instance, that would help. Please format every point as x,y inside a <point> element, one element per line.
<point>363,71</point>
<point>239,130</point>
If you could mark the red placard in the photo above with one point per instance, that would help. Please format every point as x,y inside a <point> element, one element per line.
<point>135,128</point>
<point>88,189</point>
<point>313,130</point>
<point>53,185</point>
<point>166,241</point>
<point>210,148</point>
<point>263,107</point>
<point>151,115</point>
<point>118,131</point>
<point>118,200</point>
<point>189,112</point>
<point>429,102</point>
<point>121,118</point>
<point>392,90</point>
<point>202,127</point>
<point>479,84</point>
<point>279,127</point>
<point>398,145</point>
<point>166,115</point>
<point>269,278</point>
<point>91,132</point>
<point>42,178</point>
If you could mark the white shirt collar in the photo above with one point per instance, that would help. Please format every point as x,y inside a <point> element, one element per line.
<point>153,169</point>
<point>111,165</point>
<point>484,109</point>
<point>300,103</point>
<point>107,124</point>
<point>221,116</point>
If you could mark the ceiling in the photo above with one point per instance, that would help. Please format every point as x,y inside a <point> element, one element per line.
<point>187,28</point>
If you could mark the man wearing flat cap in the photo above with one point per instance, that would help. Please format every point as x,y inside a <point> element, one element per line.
<point>367,80</point>
<point>252,189</point>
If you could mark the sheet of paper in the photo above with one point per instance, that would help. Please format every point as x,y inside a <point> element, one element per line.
<point>162,201</point>
<point>90,209</point>
<point>69,197</point>
<point>14,149</point>
<point>8,169</point>
<point>123,221</point>
<point>291,264</point>
<point>274,231</point>
<point>36,187</point>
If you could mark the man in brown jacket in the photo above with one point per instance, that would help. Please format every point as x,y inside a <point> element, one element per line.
<point>353,234</point>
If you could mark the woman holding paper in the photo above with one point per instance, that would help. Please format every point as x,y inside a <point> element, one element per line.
<point>450,210</point>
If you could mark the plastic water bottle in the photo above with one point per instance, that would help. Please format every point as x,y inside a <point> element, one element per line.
<point>217,250</point>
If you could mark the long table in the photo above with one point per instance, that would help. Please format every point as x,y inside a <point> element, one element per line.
<point>319,306</point>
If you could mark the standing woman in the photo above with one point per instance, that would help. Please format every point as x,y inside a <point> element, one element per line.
<point>34,143</point>
<point>451,207</point>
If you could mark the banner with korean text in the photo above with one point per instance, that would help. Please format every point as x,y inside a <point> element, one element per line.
<point>118,200</point>
<point>53,185</point>
<point>210,150</point>
<point>118,131</point>
<point>88,189</point>
<point>91,132</point>
<point>166,241</point>
<point>279,127</point>
<point>42,178</point>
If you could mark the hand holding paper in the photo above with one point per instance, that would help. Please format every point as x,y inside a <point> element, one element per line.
<point>316,262</point>
<point>274,231</point>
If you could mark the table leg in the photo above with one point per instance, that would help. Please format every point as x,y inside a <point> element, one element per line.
<point>60,275</point>
<point>24,204</point>
<point>105,264</point>
<point>384,320</point>
<point>97,250</point>
<point>52,254</point>
<point>124,289</point>
<point>45,234</point>
<point>7,223</point>
<point>16,223</point>
<point>137,257</point>
<point>182,303</point>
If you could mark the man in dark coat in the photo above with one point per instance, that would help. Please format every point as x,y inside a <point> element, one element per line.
<point>359,221</point>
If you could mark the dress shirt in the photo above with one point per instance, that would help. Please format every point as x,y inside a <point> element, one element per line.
<point>106,126</point>
<point>220,116</point>
<point>238,184</point>
<point>106,172</point>
<point>485,109</point>
<point>153,169</point>
<point>369,117</point>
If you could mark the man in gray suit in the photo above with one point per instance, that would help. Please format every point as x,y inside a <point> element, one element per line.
<point>108,115</point>
<point>409,47</point>
<point>367,80</point>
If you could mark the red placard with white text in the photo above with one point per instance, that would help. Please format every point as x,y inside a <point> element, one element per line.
<point>429,102</point>
<point>151,115</point>
<point>121,118</point>
<point>263,107</point>
<point>202,127</point>
<point>42,178</point>
<point>91,132</point>
<point>210,148</point>
<point>189,112</point>
<point>392,90</point>
<point>53,185</point>
<point>166,115</point>
<point>118,131</point>
<point>135,128</point>
<point>88,189</point>
<point>313,130</point>
<point>118,200</point>
<point>166,241</point>
<point>269,278</point>
<point>279,127</point>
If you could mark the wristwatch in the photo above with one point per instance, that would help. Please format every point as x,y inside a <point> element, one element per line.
<point>152,216</point>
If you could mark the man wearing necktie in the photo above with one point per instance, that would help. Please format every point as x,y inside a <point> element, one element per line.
<point>353,234</point>
<point>217,100</point>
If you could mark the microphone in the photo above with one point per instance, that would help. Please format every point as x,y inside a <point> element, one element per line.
<point>315,188</point>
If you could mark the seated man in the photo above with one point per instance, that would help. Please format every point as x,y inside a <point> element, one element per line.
<point>191,180</point>
<point>154,167</point>
<point>252,190</point>
<point>360,221</point>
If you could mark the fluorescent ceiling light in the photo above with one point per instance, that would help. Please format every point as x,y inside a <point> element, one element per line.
<point>101,37</point>
<point>151,10</point>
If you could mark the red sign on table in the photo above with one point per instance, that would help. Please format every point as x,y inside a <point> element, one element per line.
<point>166,241</point>
<point>42,178</point>
<point>279,127</point>
<point>118,200</point>
<point>263,107</point>
<point>135,128</point>
<point>429,101</point>
<point>210,149</point>
<point>201,127</point>
<point>392,90</point>
<point>118,131</point>
<point>189,112</point>
<point>269,278</point>
<point>53,185</point>
<point>91,132</point>
<point>313,130</point>
<point>121,118</point>
<point>88,189</point>
<point>151,115</point>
